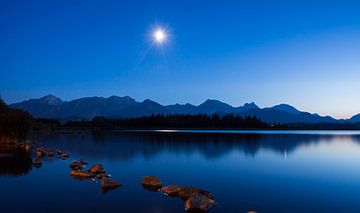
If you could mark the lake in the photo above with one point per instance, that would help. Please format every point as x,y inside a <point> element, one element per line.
<point>265,171</point>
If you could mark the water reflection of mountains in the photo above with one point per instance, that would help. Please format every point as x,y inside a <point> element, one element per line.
<point>127,145</point>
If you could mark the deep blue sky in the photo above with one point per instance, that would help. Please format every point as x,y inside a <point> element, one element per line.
<point>305,53</point>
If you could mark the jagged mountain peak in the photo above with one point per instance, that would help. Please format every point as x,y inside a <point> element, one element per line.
<point>250,105</point>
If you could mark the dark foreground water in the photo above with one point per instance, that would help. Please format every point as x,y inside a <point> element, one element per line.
<point>263,171</point>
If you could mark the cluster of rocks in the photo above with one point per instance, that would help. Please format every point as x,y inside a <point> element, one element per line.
<point>196,200</point>
<point>40,152</point>
<point>95,171</point>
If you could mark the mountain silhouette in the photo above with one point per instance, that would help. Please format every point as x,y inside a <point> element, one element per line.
<point>123,107</point>
<point>286,108</point>
<point>214,106</point>
<point>355,119</point>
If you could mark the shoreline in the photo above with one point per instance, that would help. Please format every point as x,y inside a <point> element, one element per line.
<point>199,130</point>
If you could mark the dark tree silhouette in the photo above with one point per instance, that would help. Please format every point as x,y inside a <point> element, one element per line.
<point>14,123</point>
<point>229,121</point>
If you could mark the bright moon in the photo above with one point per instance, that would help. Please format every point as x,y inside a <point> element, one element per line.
<point>159,35</point>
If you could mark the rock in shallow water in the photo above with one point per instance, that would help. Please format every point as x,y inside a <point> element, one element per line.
<point>81,174</point>
<point>197,200</point>
<point>184,192</point>
<point>37,163</point>
<point>96,169</point>
<point>76,165</point>
<point>187,192</point>
<point>109,183</point>
<point>199,203</point>
<point>171,190</point>
<point>40,152</point>
<point>151,182</point>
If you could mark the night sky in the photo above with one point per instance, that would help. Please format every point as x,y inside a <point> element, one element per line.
<point>305,53</point>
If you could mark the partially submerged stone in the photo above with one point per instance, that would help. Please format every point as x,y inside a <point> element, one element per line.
<point>109,183</point>
<point>81,174</point>
<point>187,192</point>
<point>197,200</point>
<point>151,182</point>
<point>97,169</point>
<point>37,163</point>
<point>199,203</point>
<point>101,175</point>
<point>184,192</point>
<point>76,165</point>
<point>59,152</point>
<point>40,152</point>
<point>171,190</point>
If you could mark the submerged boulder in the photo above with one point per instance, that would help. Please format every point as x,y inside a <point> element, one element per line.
<point>97,169</point>
<point>199,203</point>
<point>151,182</point>
<point>109,183</point>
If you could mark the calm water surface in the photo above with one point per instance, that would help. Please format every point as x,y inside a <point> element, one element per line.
<point>266,171</point>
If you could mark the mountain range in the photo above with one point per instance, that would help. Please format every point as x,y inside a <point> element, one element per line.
<point>124,107</point>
